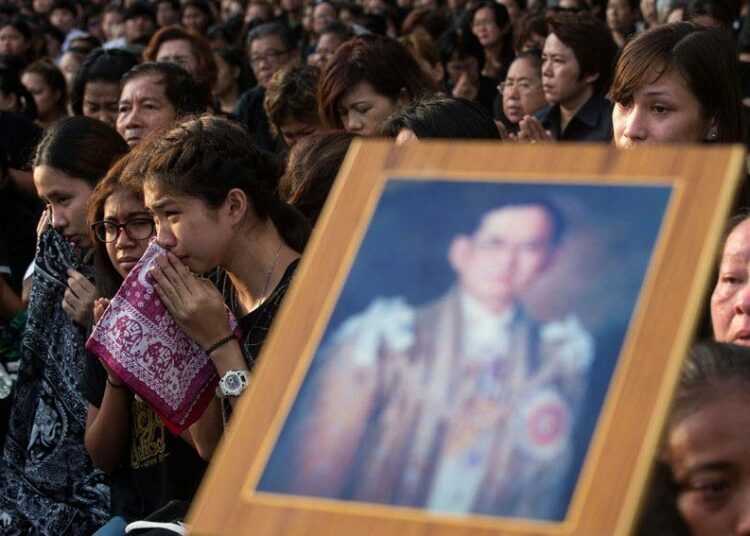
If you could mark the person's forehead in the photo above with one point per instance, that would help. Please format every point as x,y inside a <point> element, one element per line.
<point>50,180</point>
<point>522,67</point>
<point>100,89</point>
<point>266,43</point>
<point>553,45</point>
<point>123,203</point>
<point>10,31</point>
<point>175,45</point>
<point>717,430</point>
<point>147,86</point>
<point>738,243</point>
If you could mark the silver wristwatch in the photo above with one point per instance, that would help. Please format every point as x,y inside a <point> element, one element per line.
<point>233,383</point>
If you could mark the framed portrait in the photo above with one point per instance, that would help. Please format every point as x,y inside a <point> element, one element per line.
<point>480,339</point>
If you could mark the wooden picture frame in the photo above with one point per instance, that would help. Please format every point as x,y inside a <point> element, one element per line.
<point>660,209</point>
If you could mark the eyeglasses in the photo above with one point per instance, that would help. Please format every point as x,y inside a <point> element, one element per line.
<point>270,56</point>
<point>522,86</point>
<point>483,23</point>
<point>136,229</point>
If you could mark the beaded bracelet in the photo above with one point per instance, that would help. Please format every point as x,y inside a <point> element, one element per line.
<point>220,343</point>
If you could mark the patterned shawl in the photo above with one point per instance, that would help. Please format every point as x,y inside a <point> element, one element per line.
<point>48,484</point>
<point>141,342</point>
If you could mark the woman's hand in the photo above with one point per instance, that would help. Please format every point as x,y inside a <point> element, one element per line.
<point>466,88</point>
<point>532,131</point>
<point>503,131</point>
<point>100,305</point>
<point>43,222</point>
<point>78,300</point>
<point>195,304</point>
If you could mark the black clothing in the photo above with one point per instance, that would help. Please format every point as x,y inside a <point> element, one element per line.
<point>48,485</point>
<point>593,122</point>
<point>18,220</point>
<point>257,323</point>
<point>251,114</point>
<point>19,136</point>
<point>158,466</point>
<point>487,92</point>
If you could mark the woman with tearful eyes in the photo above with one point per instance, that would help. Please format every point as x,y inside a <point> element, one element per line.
<point>708,440</point>
<point>215,203</point>
<point>148,466</point>
<point>368,79</point>
<point>677,84</point>
<point>49,485</point>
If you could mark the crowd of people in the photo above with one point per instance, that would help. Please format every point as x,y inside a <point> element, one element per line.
<point>218,129</point>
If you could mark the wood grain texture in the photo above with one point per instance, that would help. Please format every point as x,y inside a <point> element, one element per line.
<point>615,471</point>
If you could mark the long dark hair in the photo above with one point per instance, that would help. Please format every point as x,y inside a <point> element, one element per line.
<point>208,156</point>
<point>80,147</point>
<point>108,280</point>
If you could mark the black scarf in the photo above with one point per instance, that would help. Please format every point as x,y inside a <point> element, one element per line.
<point>48,485</point>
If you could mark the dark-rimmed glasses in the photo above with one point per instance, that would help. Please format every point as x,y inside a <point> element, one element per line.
<point>136,229</point>
<point>271,56</point>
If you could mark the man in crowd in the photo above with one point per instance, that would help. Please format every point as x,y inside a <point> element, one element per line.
<point>270,46</point>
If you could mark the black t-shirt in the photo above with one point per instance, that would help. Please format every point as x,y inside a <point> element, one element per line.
<point>252,115</point>
<point>158,467</point>
<point>256,324</point>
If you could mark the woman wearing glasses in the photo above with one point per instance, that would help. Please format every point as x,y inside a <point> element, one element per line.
<point>491,24</point>
<point>522,89</point>
<point>148,466</point>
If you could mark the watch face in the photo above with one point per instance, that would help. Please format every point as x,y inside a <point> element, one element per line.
<point>233,382</point>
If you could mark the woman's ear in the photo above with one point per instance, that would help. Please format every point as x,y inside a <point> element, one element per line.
<point>236,206</point>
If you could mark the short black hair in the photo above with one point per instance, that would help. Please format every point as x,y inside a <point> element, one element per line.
<point>139,9</point>
<point>66,5</point>
<point>185,94</point>
<point>438,116</point>
<point>269,29</point>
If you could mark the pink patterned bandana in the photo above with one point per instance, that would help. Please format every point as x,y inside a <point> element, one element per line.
<point>141,342</point>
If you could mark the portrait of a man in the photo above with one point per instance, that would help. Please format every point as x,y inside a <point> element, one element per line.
<point>467,402</point>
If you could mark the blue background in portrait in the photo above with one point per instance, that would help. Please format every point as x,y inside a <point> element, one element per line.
<point>610,235</point>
